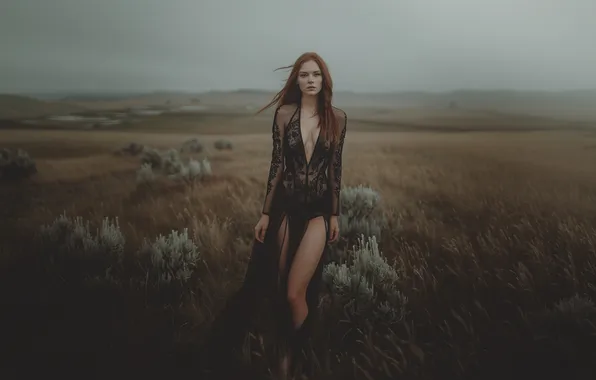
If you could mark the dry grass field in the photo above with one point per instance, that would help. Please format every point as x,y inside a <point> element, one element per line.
<point>492,229</point>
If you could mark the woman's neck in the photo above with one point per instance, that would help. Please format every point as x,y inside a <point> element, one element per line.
<point>309,103</point>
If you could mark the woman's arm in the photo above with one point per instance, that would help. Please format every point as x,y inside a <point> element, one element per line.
<point>336,166</point>
<point>277,161</point>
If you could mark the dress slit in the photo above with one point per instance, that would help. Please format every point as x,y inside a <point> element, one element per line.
<point>299,190</point>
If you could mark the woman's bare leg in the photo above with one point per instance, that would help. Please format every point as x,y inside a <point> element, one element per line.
<point>304,265</point>
<point>283,242</point>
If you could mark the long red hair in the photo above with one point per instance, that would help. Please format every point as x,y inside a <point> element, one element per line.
<point>291,94</point>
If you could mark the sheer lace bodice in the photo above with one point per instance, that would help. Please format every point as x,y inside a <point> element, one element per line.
<point>301,179</point>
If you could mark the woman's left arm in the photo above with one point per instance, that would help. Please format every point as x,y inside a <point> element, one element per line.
<point>336,166</point>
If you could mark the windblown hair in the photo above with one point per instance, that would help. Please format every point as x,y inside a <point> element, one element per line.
<point>291,94</point>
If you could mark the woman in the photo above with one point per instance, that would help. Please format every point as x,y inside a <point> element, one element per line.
<point>301,207</point>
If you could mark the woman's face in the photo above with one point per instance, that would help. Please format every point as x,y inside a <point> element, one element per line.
<point>310,79</point>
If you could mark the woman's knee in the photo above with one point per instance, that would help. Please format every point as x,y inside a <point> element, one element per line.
<point>296,295</point>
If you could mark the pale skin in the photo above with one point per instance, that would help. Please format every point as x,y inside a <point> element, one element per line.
<point>308,254</point>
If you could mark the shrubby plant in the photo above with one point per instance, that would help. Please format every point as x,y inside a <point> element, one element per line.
<point>167,161</point>
<point>169,164</point>
<point>223,144</point>
<point>169,259</point>
<point>70,245</point>
<point>192,146</point>
<point>360,212</point>
<point>16,164</point>
<point>145,174</point>
<point>152,157</point>
<point>368,282</point>
<point>360,215</point>
<point>195,170</point>
<point>71,251</point>
<point>133,149</point>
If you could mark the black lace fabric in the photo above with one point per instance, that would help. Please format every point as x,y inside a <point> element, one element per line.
<point>298,190</point>
<point>304,180</point>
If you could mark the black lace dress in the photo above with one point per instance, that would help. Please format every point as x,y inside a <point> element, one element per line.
<point>299,190</point>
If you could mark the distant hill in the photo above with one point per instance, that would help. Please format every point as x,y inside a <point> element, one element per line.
<point>115,101</point>
<point>570,105</point>
<point>577,105</point>
<point>23,107</point>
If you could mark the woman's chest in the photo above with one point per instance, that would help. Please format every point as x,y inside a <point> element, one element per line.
<point>297,140</point>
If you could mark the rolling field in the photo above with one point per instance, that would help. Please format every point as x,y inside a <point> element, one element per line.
<point>492,218</point>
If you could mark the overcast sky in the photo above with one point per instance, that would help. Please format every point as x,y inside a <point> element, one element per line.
<point>372,45</point>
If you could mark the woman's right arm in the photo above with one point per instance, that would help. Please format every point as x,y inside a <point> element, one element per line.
<point>277,161</point>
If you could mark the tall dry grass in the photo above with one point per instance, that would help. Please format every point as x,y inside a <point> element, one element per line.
<point>494,235</point>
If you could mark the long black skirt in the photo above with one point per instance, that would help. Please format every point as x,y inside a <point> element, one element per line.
<point>260,304</point>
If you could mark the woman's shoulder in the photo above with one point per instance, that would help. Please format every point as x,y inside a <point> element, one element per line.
<point>287,109</point>
<point>284,113</point>
<point>338,111</point>
<point>340,114</point>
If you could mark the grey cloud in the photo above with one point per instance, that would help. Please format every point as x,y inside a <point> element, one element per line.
<point>379,45</point>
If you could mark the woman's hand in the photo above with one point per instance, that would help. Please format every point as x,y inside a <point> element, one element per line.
<point>261,228</point>
<point>333,229</point>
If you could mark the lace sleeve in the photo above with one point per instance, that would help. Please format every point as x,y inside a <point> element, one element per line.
<point>277,161</point>
<point>336,166</point>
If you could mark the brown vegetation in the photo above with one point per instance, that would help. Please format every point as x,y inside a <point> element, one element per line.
<point>492,230</point>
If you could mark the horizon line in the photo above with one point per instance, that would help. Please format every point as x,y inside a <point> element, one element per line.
<point>263,90</point>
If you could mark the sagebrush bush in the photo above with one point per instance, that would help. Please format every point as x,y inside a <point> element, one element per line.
<point>195,170</point>
<point>223,144</point>
<point>169,259</point>
<point>16,164</point>
<point>152,157</point>
<point>368,282</point>
<point>360,215</point>
<point>193,146</point>
<point>69,245</point>
<point>359,202</point>
<point>145,174</point>
<point>167,161</point>
<point>133,149</point>
<point>169,164</point>
<point>71,251</point>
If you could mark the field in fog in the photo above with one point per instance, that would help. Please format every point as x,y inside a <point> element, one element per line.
<point>492,216</point>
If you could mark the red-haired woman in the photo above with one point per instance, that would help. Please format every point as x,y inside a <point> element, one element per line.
<point>301,208</point>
